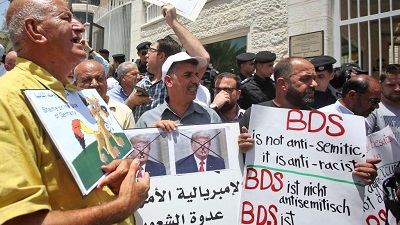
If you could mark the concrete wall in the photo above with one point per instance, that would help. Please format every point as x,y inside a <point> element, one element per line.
<point>310,16</point>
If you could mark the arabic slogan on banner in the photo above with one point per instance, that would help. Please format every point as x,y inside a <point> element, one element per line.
<point>184,197</point>
<point>300,170</point>
<point>381,144</point>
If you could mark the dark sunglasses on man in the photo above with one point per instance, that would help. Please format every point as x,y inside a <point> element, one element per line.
<point>144,52</point>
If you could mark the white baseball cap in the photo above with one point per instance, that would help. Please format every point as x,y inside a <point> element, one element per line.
<point>179,57</point>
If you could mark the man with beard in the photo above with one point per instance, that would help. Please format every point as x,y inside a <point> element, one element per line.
<point>200,160</point>
<point>295,90</point>
<point>294,78</point>
<point>360,96</point>
<point>181,75</point>
<point>388,112</point>
<point>90,74</point>
<point>141,150</point>
<point>227,92</point>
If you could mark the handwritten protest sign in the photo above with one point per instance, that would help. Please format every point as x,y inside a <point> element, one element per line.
<point>300,170</point>
<point>381,144</point>
<point>209,197</point>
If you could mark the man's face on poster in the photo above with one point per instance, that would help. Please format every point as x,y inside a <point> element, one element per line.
<point>200,147</point>
<point>140,151</point>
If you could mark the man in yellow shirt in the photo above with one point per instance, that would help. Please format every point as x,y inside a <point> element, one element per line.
<point>35,185</point>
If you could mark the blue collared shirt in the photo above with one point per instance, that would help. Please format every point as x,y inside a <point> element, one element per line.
<point>117,94</point>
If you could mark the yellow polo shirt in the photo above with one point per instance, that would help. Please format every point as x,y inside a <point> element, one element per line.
<point>33,177</point>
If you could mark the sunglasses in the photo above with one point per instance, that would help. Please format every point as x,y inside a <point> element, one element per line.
<point>143,53</point>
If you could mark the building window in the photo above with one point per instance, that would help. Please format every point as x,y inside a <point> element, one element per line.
<point>152,12</point>
<point>369,33</point>
<point>223,53</point>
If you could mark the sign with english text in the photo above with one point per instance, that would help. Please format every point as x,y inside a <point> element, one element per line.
<point>300,169</point>
<point>383,145</point>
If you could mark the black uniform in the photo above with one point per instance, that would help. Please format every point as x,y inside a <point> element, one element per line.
<point>142,67</point>
<point>256,90</point>
<point>242,77</point>
<point>322,99</point>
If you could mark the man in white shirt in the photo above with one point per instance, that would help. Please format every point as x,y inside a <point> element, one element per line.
<point>388,113</point>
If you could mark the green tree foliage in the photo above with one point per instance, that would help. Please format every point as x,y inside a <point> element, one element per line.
<point>223,55</point>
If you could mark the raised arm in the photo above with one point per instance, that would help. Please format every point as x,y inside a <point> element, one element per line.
<point>192,45</point>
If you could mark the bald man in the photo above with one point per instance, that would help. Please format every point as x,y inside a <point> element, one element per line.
<point>90,74</point>
<point>361,95</point>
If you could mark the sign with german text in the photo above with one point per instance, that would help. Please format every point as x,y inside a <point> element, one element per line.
<point>300,170</point>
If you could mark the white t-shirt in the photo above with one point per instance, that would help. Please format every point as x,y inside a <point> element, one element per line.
<point>385,115</point>
<point>111,83</point>
<point>203,96</point>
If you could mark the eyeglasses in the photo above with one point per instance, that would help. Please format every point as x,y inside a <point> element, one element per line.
<point>150,50</point>
<point>372,101</point>
<point>226,89</point>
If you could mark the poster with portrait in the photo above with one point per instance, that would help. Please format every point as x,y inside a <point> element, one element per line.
<point>191,192</point>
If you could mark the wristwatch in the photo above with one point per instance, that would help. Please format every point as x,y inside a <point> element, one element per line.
<point>214,106</point>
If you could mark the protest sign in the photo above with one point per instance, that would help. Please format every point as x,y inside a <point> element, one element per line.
<point>383,145</point>
<point>183,195</point>
<point>300,170</point>
<point>83,130</point>
<point>187,8</point>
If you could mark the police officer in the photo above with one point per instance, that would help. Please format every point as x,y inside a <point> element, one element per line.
<point>245,62</point>
<point>142,52</point>
<point>260,87</point>
<point>324,93</point>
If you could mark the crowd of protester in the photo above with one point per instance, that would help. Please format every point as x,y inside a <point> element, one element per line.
<point>161,89</point>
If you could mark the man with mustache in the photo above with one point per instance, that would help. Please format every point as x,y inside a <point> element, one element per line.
<point>141,150</point>
<point>200,160</point>
<point>227,92</point>
<point>181,75</point>
<point>295,90</point>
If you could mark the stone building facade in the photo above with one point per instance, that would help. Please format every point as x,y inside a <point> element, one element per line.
<point>264,25</point>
